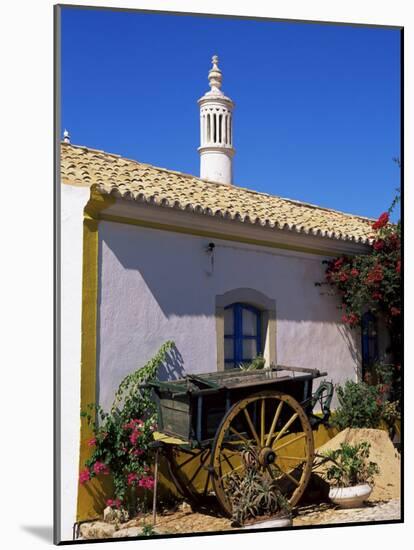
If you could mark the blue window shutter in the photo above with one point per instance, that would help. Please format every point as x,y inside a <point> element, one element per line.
<point>239,336</point>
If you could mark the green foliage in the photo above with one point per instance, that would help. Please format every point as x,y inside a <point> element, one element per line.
<point>120,446</point>
<point>384,373</point>
<point>391,412</point>
<point>258,363</point>
<point>350,465</point>
<point>253,495</point>
<point>372,282</point>
<point>148,530</point>
<point>360,406</point>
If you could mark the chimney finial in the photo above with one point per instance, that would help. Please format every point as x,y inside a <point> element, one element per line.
<point>66,136</point>
<point>216,131</point>
<point>214,75</point>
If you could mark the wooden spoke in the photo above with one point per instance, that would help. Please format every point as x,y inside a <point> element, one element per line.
<point>192,457</point>
<point>235,469</point>
<point>206,484</point>
<point>301,436</point>
<point>239,435</point>
<point>250,423</point>
<point>189,474</point>
<point>292,479</point>
<point>294,458</point>
<point>262,422</point>
<point>227,459</point>
<point>273,426</point>
<point>202,462</point>
<point>286,426</point>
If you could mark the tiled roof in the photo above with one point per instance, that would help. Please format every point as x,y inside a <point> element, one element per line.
<point>129,179</point>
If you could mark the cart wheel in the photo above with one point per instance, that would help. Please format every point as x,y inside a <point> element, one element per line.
<point>270,431</point>
<point>189,470</point>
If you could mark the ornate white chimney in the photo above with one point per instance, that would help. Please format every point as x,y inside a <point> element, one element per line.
<point>216,131</point>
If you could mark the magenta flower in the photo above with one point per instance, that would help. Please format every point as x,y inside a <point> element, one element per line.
<point>134,436</point>
<point>132,478</point>
<point>146,482</point>
<point>113,503</point>
<point>84,476</point>
<point>100,468</point>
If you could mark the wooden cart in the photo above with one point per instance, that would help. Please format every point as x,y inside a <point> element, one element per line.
<point>214,424</point>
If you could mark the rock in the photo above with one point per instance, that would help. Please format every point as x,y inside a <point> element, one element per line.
<point>113,515</point>
<point>97,530</point>
<point>128,532</point>
<point>185,507</point>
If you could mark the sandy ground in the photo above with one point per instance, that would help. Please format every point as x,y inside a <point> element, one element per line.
<point>383,503</point>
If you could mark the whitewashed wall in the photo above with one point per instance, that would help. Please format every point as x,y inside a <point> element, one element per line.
<point>73,200</point>
<point>157,285</point>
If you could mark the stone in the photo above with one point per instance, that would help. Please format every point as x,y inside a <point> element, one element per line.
<point>128,532</point>
<point>113,515</point>
<point>97,530</point>
<point>185,507</point>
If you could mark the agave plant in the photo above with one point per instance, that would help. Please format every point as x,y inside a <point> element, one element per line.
<point>253,495</point>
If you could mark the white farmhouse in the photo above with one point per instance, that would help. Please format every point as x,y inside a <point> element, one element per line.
<point>149,254</point>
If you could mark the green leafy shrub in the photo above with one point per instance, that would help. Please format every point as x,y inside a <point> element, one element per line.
<point>350,465</point>
<point>390,412</point>
<point>120,446</point>
<point>258,363</point>
<point>360,406</point>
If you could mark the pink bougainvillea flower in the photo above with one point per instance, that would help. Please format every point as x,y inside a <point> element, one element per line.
<point>100,468</point>
<point>137,452</point>
<point>376,295</point>
<point>134,436</point>
<point>113,503</point>
<point>131,478</point>
<point>354,272</point>
<point>132,424</point>
<point>351,319</point>
<point>378,245</point>
<point>381,222</point>
<point>398,267</point>
<point>395,311</point>
<point>376,275</point>
<point>92,442</point>
<point>84,476</point>
<point>146,482</point>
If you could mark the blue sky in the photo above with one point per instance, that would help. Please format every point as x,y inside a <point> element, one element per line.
<point>317,113</point>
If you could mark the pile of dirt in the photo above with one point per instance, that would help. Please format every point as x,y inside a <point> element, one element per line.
<point>382,451</point>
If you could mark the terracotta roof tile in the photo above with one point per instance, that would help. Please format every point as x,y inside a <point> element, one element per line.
<point>130,179</point>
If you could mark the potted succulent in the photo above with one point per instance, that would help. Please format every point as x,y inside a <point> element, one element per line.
<point>351,475</point>
<point>256,501</point>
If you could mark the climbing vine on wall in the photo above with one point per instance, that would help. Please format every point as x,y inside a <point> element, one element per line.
<point>120,446</point>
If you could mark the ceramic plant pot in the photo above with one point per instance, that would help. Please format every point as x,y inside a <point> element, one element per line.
<point>350,497</point>
<point>270,523</point>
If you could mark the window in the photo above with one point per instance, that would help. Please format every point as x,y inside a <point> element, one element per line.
<point>242,334</point>
<point>369,346</point>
